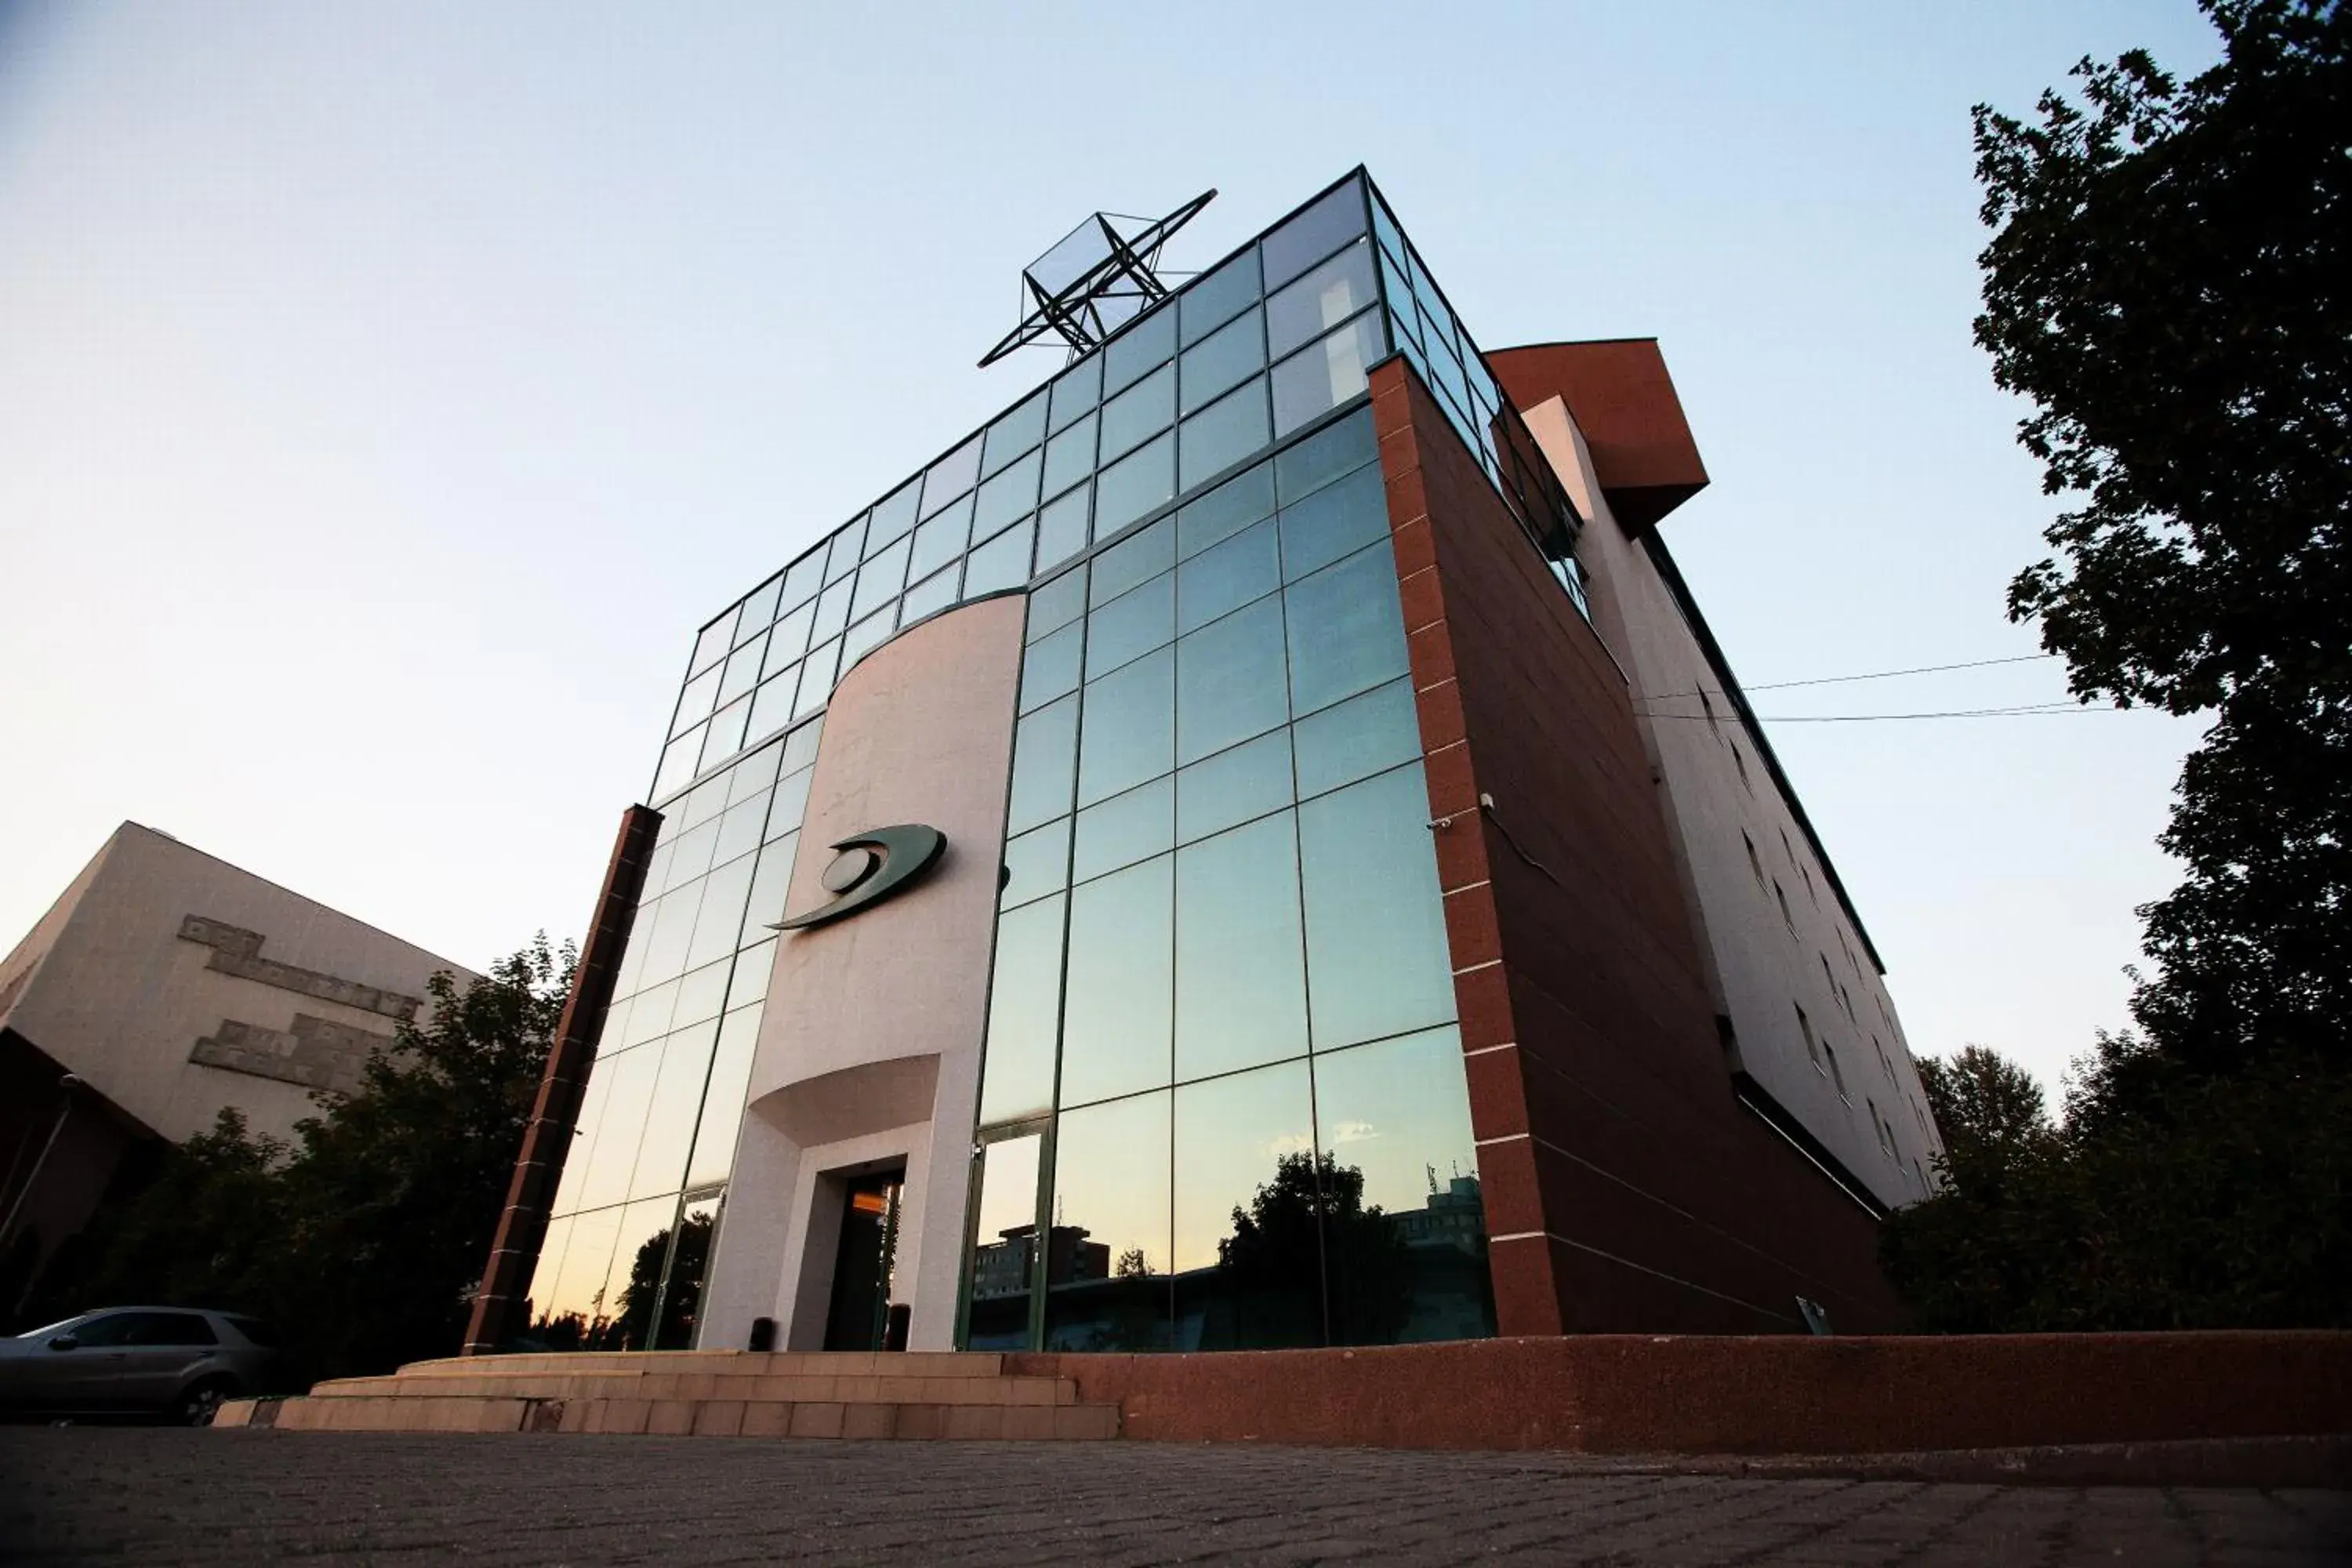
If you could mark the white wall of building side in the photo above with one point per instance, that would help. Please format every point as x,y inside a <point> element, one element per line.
<point>1811,1021</point>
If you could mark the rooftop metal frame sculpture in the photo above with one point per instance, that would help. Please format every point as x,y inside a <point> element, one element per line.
<point>1095,280</point>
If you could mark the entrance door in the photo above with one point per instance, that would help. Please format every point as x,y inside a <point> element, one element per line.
<point>859,1317</point>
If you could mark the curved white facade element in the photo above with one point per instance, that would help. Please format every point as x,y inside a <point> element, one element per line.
<point>869,1047</point>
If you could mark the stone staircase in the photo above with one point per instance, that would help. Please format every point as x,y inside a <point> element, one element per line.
<point>715,1394</point>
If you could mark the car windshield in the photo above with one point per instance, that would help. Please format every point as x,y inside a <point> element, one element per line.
<point>60,1326</point>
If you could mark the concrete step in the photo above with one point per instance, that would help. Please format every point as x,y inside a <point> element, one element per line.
<point>412,1412</point>
<point>778,1387</point>
<point>815,1363</point>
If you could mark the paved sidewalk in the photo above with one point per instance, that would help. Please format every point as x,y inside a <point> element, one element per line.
<point>141,1495</point>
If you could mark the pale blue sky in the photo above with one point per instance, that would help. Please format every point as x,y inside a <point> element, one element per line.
<point>388,391</point>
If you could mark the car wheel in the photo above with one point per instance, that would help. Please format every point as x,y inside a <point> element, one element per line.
<point>201,1400</point>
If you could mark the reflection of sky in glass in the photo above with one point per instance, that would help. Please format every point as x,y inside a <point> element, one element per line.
<point>1108,1181</point>
<point>1377,961</point>
<point>1394,1109</point>
<point>1229,1133</point>
<point>1241,988</point>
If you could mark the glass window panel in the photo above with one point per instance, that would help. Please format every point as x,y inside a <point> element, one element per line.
<point>544,1275</point>
<point>800,748</point>
<point>1147,344</point>
<point>803,577</point>
<point>742,670</point>
<point>699,696</point>
<point>725,734</point>
<point>1130,561</point>
<point>1245,1145</point>
<point>625,1100</point>
<point>1226,358</point>
<point>1055,605</point>
<point>832,610</point>
<point>1241,960</point>
<point>1214,298</point>
<point>1124,829</point>
<point>1002,563</point>
<point>1131,626</point>
<point>1314,233</point>
<point>1233,786</point>
<point>681,1297</point>
<point>791,800</point>
<point>771,705</point>
<point>708,800</point>
<point>1130,728</point>
<point>931,596</point>
<point>1229,681</point>
<point>880,580</point>
<point>759,608</point>
<point>740,828</point>
<point>1384,225</point>
<point>1116,1015</point>
<point>1025,999</point>
<point>1013,434</point>
<point>722,1098</point>
<point>1107,1272</point>
<point>583,1143</point>
<point>940,540</point>
<point>893,517</point>
<point>1139,413</point>
<point>1062,528</point>
<point>1377,962</point>
<point>1131,487</point>
<point>650,1009</point>
<point>1405,326</point>
<point>816,679</point>
<point>1336,521</point>
<point>1346,629</point>
<point>868,634</point>
<point>1070,456</point>
<point>1076,391</point>
<point>1322,300</point>
<point>1037,864</point>
<point>692,852</point>
<point>1404,1227</point>
<point>721,918</point>
<point>636,1278</point>
<point>1011,494</point>
<point>712,645</point>
<point>1437,327</point>
<point>578,1293</point>
<point>1002,1267</point>
<point>669,1118</point>
<point>1225,511</point>
<point>752,775</point>
<point>1050,666</point>
<point>848,547</point>
<point>769,884</point>
<point>1357,739</point>
<point>1326,374</point>
<point>790,637</point>
<point>1227,577</point>
<point>1222,434</point>
<point>749,982</point>
<point>701,995</point>
<point>951,476</point>
<point>1045,760</point>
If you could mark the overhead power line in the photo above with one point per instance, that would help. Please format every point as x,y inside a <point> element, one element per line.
<point>2025,710</point>
<point>1873,675</point>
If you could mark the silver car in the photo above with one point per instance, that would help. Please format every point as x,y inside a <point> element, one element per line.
<point>176,1361</point>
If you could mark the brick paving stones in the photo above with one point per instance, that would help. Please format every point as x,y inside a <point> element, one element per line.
<point>153,1496</point>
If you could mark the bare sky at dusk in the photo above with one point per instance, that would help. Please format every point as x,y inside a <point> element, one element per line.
<point>388,392</point>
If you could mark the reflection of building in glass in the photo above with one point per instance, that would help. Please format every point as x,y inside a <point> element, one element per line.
<point>1339,786</point>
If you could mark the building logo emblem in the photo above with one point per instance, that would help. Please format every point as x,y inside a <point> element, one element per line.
<point>869,867</point>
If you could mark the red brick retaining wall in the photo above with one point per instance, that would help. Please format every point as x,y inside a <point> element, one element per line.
<point>1776,1394</point>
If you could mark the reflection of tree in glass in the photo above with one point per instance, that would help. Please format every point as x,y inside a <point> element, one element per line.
<point>1132,1265</point>
<point>1273,1248</point>
<point>630,1330</point>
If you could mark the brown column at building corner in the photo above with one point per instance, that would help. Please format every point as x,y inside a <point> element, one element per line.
<point>522,1226</point>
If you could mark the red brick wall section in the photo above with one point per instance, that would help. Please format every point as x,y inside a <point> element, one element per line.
<point>1624,402</point>
<point>1626,1189</point>
<point>1782,1394</point>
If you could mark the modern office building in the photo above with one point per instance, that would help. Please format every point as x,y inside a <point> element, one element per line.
<point>162,987</point>
<point>1255,847</point>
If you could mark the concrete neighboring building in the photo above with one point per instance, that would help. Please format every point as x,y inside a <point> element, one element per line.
<point>163,986</point>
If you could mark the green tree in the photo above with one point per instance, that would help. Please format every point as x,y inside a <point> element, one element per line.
<point>1990,1112</point>
<point>2170,284</point>
<point>365,1236</point>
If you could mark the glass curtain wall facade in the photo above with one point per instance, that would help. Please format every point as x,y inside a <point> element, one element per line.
<point>1219,957</point>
